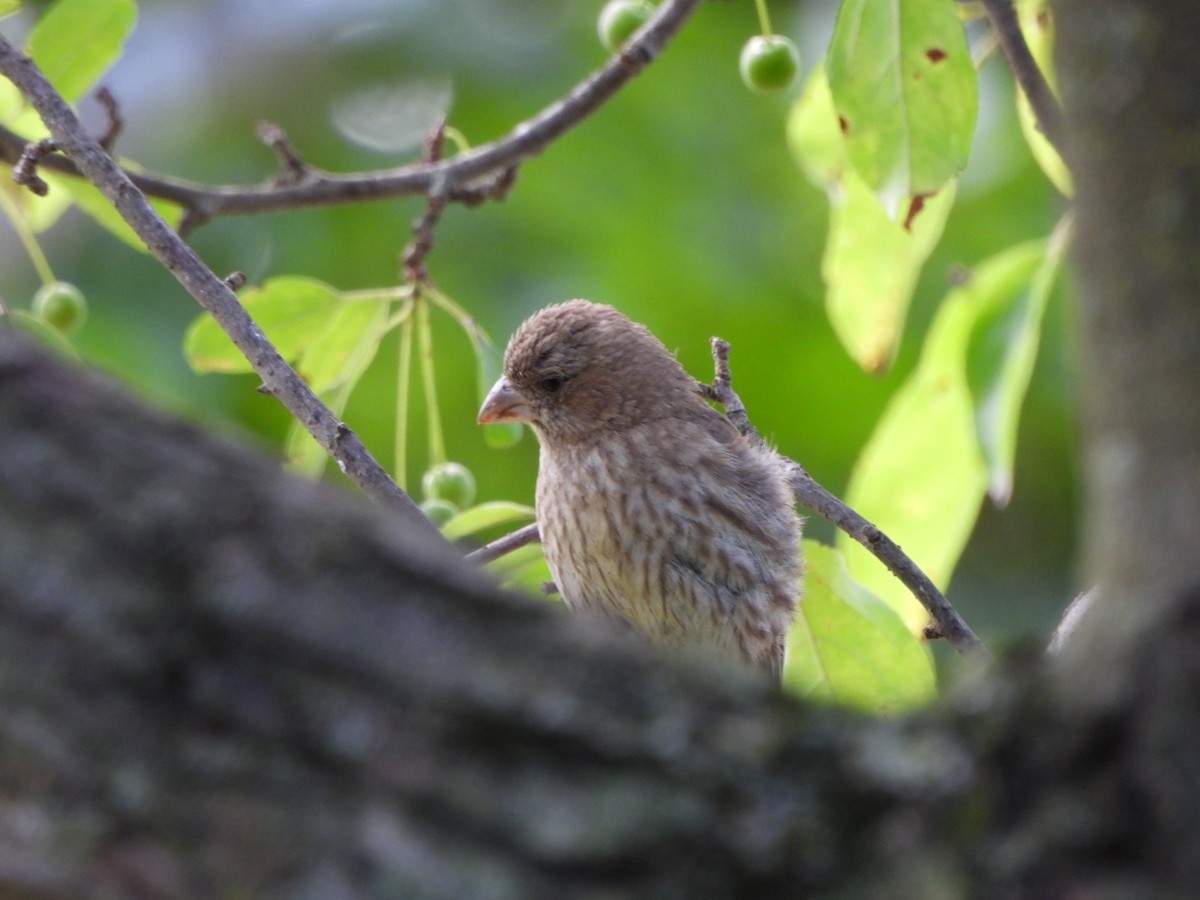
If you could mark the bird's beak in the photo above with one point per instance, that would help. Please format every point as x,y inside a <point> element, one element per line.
<point>503,404</point>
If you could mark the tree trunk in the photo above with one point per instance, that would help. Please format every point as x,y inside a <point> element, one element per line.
<point>1130,73</point>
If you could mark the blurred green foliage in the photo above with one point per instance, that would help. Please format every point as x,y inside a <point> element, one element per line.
<point>678,201</point>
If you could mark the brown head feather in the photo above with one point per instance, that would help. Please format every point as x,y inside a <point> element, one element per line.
<point>584,369</point>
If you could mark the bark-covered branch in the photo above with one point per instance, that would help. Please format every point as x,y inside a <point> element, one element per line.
<point>217,679</point>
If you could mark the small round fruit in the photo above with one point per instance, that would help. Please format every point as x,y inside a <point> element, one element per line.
<point>61,306</point>
<point>439,512</point>
<point>769,63</point>
<point>619,19</point>
<point>449,481</point>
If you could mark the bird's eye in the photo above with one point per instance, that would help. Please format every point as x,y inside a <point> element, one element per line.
<point>551,383</point>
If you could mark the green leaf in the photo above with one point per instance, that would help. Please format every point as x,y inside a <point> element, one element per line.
<point>905,92</point>
<point>849,647</point>
<point>525,569</point>
<point>346,345</point>
<point>922,476</point>
<point>531,574</point>
<point>292,311</point>
<point>77,40</point>
<point>1002,353</point>
<point>813,134</point>
<point>871,266</point>
<point>40,331</point>
<point>88,198</point>
<point>305,456</point>
<point>11,101</point>
<point>9,6</point>
<point>486,515</point>
<point>1038,27</point>
<point>332,363</point>
<point>871,262</point>
<point>40,213</point>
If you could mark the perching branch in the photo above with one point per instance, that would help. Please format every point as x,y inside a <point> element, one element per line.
<point>947,622</point>
<point>504,545</point>
<point>1026,73</point>
<point>214,294</point>
<point>457,176</point>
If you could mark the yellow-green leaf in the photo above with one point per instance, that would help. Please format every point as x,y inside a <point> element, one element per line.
<point>292,311</point>
<point>872,261</point>
<point>40,331</point>
<point>77,40</point>
<point>88,198</point>
<point>1002,353</point>
<point>487,515</point>
<point>922,475</point>
<point>40,213</point>
<point>1037,24</point>
<point>346,345</point>
<point>11,101</point>
<point>849,647</point>
<point>905,92</point>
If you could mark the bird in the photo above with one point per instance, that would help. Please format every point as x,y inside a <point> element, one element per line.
<point>654,510</point>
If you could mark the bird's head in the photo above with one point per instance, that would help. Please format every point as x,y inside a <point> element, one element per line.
<point>577,370</point>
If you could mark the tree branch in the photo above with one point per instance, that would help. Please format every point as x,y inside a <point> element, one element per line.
<point>214,294</point>
<point>220,680</point>
<point>504,545</point>
<point>456,176</point>
<point>947,622</point>
<point>1025,70</point>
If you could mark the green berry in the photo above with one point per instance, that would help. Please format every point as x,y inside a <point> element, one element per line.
<point>769,63</point>
<point>61,306</point>
<point>439,511</point>
<point>619,19</point>
<point>450,481</point>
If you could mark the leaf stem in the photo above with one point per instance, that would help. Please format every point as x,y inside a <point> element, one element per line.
<point>437,446</point>
<point>403,378</point>
<point>32,247</point>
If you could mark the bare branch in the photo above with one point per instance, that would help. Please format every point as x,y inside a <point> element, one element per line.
<point>293,169</point>
<point>1025,70</point>
<point>412,260</point>
<point>214,294</point>
<point>114,124</point>
<point>504,545</point>
<point>949,624</point>
<point>25,171</point>
<point>461,176</point>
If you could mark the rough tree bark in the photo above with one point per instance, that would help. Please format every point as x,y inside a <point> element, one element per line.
<point>217,680</point>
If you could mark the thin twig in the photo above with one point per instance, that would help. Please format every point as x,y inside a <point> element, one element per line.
<point>504,545</point>
<point>114,124</point>
<point>462,175</point>
<point>214,294</point>
<point>293,169</point>
<point>1026,73</point>
<point>949,624</point>
<point>412,260</point>
<point>25,172</point>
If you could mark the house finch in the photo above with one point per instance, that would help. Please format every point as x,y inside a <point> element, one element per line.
<point>653,509</point>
